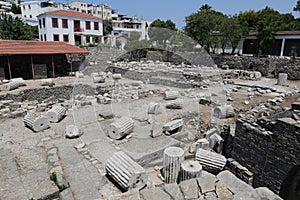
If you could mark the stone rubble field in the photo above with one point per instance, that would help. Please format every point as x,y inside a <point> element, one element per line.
<point>64,154</point>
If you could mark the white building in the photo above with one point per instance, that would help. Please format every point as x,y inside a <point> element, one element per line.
<point>123,25</point>
<point>101,10</point>
<point>69,26</point>
<point>31,9</point>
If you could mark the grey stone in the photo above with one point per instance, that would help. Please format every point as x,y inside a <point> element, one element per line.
<point>154,194</point>
<point>172,125</point>
<point>207,183</point>
<point>66,195</point>
<point>107,114</point>
<point>189,189</point>
<point>234,184</point>
<point>156,129</point>
<point>266,193</point>
<point>222,191</point>
<point>125,171</point>
<point>211,196</point>
<point>129,195</point>
<point>174,191</point>
<point>153,108</point>
<point>73,131</point>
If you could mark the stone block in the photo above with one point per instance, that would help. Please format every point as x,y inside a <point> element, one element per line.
<point>174,125</point>
<point>171,95</point>
<point>234,184</point>
<point>153,108</point>
<point>175,104</point>
<point>190,189</point>
<point>155,194</point>
<point>174,191</point>
<point>210,161</point>
<point>66,195</point>
<point>129,195</point>
<point>73,131</point>
<point>120,128</point>
<point>207,183</point>
<point>156,129</point>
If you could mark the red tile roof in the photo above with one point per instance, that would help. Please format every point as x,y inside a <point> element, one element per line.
<point>70,13</point>
<point>18,47</point>
<point>296,32</point>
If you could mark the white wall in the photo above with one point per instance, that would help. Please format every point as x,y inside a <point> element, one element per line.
<point>50,31</point>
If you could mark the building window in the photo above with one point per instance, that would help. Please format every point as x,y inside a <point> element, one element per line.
<point>23,7</point>
<point>30,16</point>
<point>40,23</point>
<point>96,26</point>
<point>88,25</point>
<point>45,37</point>
<point>54,22</point>
<point>24,15</point>
<point>29,7</point>
<point>55,37</point>
<point>44,22</point>
<point>64,23</point>
<point>66,38</point>
<point>41,36</point>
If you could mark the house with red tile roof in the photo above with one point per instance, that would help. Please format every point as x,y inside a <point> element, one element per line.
<point>36,59</point>
<point>72,27</point>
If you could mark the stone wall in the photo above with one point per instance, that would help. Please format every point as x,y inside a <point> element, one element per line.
<point>269,154</point>
<point>58,92</point>
<point>267,66</point>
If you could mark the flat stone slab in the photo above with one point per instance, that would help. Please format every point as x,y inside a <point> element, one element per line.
<point>207,182</point>
<point>130,195</point>
<point>189,189</point>
<point>66,195</point>
<point>266,193</point>
<point>174,191</point>
<point>234,184</point>
<point>154,194</point>
<point>145,150</point>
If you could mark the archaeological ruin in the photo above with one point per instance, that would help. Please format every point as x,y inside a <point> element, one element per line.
<point>181,125</point>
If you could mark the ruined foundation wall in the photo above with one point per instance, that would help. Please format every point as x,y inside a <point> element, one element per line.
<point>267,66</point>
<point>268,155</point>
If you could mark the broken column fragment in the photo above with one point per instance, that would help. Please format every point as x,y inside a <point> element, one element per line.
<point>20,81</point>
<point>73,131</point>
<point>201,143</point>
<point>210,161</point>
<point>173,157</point>
<point>225,111</point>
<point>56,113</point>
<point>127,173</point>
<point>171,95</point>
<point>10,86</point>
<point>47,82</point>
<point>173,126</point>
<point>175,104</point>
<point>282,79</point>
<point>153,108</point>
<point>120,128</point>
<point>216,142</point>
<point>190,169</point>
<point>36,122</point>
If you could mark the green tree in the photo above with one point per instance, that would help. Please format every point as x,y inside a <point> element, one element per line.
<point>15,29</point>
<point>204,26</point>
<point>107,26</point>
<point>15,9</point>
<point>160,31</point>
<point>231,33</point>
<point>297,7</point>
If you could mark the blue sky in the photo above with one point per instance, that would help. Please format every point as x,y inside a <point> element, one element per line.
<point>177,10</point>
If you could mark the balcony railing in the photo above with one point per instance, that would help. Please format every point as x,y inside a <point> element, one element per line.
<point>78,30</point>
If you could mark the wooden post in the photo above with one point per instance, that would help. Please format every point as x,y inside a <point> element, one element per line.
<point>71,68</point>
<point>9,70</point>
<point>53,72</point>
<point>32,66</point>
